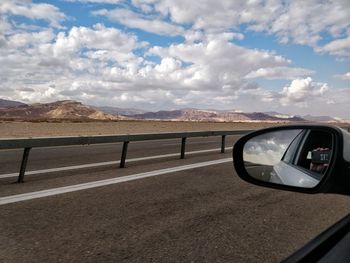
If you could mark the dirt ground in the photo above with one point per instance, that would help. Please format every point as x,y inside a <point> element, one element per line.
<point>42,129</point>
<point>39,129</point>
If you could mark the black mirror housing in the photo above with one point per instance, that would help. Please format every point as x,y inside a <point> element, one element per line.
<point>336,178</point>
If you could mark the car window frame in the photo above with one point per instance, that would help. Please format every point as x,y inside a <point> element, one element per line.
<point>297,139</point>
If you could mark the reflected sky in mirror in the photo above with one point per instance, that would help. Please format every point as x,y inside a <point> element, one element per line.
<point>269,148</point>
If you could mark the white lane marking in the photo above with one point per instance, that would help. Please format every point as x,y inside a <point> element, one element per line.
<point>90,165</point>
<point>78,187</point>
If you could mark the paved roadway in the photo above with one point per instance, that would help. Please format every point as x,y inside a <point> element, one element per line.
<point>260,172</point>
<point>156,210</point>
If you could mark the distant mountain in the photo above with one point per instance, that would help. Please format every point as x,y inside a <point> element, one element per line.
<point>320,118</point>
<point>161,115</point>
<point>309,117</point>
<point>73,110</point>
<point>10,103</point>
<point>119,111</point>
<point>211,115</point>
<point>278,114</point>
<point>262,116</point>
<point>67,109</point>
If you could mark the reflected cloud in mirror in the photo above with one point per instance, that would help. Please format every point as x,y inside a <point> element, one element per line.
<point>292,157</point>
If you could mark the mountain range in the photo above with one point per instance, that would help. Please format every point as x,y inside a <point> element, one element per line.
<point>119,111</point>
<point>214,116</point>
<point>10,103</point>
<point>70,110</point>
<point>73,110</point>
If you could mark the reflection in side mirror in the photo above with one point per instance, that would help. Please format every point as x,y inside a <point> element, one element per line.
<point>294,157</point>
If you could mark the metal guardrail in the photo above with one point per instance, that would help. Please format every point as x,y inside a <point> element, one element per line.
<point>28,143</point>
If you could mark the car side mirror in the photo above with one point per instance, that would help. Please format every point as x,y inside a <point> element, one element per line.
<point>301,158</point>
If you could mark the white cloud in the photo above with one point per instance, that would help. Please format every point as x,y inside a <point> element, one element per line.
<point>279,73</point>
<point>345,76</point>
<point>338,47</point>
<point>334,102</point>
<point>41,93</point>
<point>193,35</point>
<point>38,60</point>
<point>26,39</point>
<point>99,37</point>
<point>203,14</point>
<point>216,64</point>
<point>34,11</point>
<point>168,65</point>
<point>135,20</point>
<point>96,1</point>
<point>301,91</point>
<point>301,22</point>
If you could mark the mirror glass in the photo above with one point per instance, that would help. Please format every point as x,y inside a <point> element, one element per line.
<point>295,157</point>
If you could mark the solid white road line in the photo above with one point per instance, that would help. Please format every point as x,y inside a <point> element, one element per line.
<point>90,165</point>
<point>78,187</point>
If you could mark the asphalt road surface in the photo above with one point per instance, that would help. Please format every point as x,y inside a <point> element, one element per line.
<point>161,209</point>
<point>260,172</point>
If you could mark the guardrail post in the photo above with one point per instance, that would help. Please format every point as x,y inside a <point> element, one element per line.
<point>183,147</point>
<point>223,137</point>
<point>124,152</point>
<point>23,165</point>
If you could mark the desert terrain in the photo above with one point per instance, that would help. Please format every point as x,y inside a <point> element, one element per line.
<point>39,129</point>
<point>42,129</point>
<point>18,129</point>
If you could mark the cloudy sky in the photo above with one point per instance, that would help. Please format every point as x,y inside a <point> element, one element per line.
<point>286,56</point>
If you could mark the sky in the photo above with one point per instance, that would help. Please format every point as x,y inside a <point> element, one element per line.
<point>269,148</point>
<point>291,57</point>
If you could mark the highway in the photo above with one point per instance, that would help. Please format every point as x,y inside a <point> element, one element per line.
<point>260,172</point>
<point>77,205</point>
